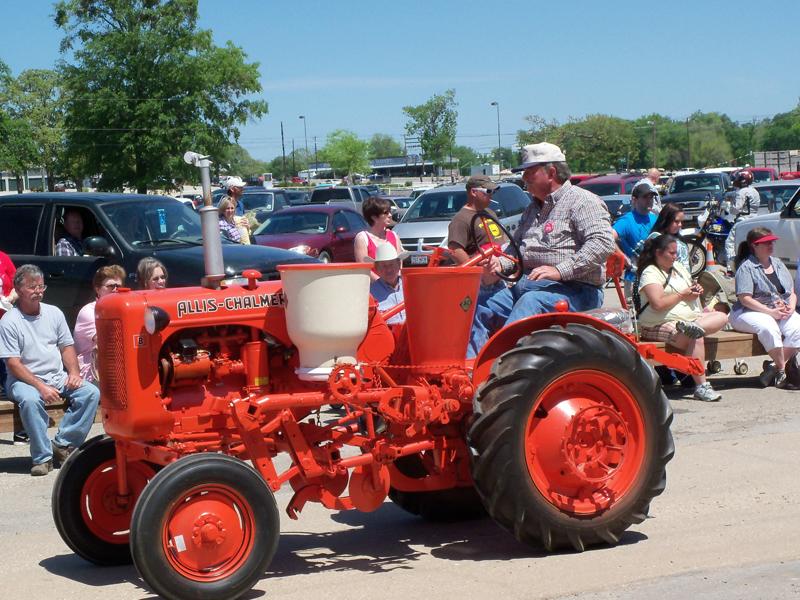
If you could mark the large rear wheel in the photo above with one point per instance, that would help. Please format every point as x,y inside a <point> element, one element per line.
<point>88,512</point>
<point>572,438</point>
<point>206,527</point>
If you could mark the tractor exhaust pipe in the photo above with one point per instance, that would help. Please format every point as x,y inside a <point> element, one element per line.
<point>209,221</point>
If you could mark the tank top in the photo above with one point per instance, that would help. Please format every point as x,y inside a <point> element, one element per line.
<point>372,248</point>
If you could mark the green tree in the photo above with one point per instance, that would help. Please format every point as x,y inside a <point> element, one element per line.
<point>237,161</point>
<point>345,152</point>
<point>782,132</point>
<point>35,97</point>
<point>434,124</point>
<point>17,150</point>
<point>144,85</point>
<point>382,145</point>
<point>466,157</point>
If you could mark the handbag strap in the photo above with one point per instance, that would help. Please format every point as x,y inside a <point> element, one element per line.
<point>666,283</point>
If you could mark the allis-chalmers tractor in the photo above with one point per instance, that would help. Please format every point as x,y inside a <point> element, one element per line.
<point>558,429</point>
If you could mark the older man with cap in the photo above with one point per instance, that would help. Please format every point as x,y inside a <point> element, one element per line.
<point>565,238</point>
<point>235,188</point>
<point>388,288</point>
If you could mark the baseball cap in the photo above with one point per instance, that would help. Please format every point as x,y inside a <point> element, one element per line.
<point>642,188</point>
<point>537,154</point>
<point>234,182</point>
<point>481,181</point>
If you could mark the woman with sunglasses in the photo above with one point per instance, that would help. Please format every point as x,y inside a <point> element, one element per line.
<point>378,214</point>
<point>106,281</point>
<point>766,303</point>
<point>151,274</point>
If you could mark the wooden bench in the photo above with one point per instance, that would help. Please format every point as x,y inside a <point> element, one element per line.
<point>727,344</point>
<point>11,421</point>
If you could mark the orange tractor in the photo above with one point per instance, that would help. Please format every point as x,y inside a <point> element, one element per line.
<point>558,429</point>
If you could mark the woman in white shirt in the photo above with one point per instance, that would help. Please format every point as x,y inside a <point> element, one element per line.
<point>669,306</point>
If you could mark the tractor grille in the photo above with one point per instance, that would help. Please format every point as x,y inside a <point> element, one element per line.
<point>111,363</point>
<point>416,244</point>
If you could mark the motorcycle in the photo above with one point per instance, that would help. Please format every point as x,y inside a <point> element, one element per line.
<point>713,225</point>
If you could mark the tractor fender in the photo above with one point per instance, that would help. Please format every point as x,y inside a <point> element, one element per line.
<point>508,336</point>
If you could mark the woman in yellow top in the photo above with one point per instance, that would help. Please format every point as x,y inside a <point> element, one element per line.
<point>669,306</point>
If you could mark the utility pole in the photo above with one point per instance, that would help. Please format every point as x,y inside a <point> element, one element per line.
<point>499,149</point>
<point>294,171</point>
<point>283,151</point>
<point>316,162</point>
<point>305,135</point>
<point>688,145</point>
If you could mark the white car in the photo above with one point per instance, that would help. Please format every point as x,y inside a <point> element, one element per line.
<point>785,224</point>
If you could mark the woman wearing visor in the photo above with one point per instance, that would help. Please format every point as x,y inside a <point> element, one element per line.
<point>766,303</point>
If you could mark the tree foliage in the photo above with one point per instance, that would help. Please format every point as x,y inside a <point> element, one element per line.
<point>345,152</point>
<point>434,124</point>
<point>144,85</point>
<point>382,145</point>
<point>782,132</point>
<point>17,149</point>
<point>237,161</point>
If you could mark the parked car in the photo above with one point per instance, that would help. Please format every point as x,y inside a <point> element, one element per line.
<point>610,185</point>
<point>776,194</point>
<point>691,191</point>
<point>352,196</point>
<point>296,197</point>
<point>322,231</point>
<point>400,205</point>
<point>581,177</point>
<point>761,174</point>
<point>258,202</point>
<point>617,205</point>
<point>425,222</point>
<point>420,189</point>
<point>785,224</point>
<point>117,229</point>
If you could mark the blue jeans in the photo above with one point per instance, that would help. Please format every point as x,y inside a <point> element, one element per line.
<point>74,426</point>
<point>525,299</point>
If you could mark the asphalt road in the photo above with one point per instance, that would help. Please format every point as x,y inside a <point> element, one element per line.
<point>727,527</point>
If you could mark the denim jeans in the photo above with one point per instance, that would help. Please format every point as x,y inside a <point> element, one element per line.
<point>75,424</point>
<point>525,299</point>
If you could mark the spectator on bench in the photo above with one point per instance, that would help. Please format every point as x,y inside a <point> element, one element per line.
<point>42,369</point>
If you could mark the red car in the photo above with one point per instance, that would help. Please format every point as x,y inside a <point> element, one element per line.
<point>322,230</point>
<point>611,185</point>
<point>761,174</point>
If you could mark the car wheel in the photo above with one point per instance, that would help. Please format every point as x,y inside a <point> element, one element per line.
<point>325,256</point>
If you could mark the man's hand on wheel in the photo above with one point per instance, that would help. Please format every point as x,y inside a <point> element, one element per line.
<point>544,272</point>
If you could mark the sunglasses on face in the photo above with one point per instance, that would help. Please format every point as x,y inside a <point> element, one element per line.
<point>485,191</point>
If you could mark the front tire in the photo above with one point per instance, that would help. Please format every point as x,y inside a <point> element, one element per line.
<point>87,511</point>
<point>572,438</point>
<point>325,256</point>
<point>206,527</point>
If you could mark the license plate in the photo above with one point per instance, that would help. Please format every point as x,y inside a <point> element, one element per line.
<point>419,259</point>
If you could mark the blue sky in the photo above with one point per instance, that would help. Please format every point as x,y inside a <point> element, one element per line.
<point>354,64</point>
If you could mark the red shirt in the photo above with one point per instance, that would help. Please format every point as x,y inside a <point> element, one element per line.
<point>7,270</point>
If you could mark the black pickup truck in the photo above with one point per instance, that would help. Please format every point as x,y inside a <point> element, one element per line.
<point>691,191</point>
<point>118,229</point>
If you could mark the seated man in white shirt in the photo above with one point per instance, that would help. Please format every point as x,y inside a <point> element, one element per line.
<point>388,289</point>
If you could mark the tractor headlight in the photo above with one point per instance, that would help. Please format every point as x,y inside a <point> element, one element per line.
<point>155,319</point>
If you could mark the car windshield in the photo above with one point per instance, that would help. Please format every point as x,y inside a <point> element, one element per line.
<point>306,222</point>
<point>436,206</point>
<point>402,202</point>
<point>264,201</point>
<point>323,195</point>
<point>602,189</point>
<point>761,175</point>
<point>776,197</point>
<point>696,183</point>
<point>155,221</point>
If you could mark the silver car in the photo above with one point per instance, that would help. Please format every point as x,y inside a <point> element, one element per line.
<point>425,222</point>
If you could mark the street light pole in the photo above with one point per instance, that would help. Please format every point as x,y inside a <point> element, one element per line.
<point>305,135</point>
<point>499,148</point>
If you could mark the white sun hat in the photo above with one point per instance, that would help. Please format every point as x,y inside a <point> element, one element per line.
<point>386,251</point>
<point>537,154</point>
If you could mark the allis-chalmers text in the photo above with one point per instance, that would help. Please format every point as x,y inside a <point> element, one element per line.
<point>209,305</point>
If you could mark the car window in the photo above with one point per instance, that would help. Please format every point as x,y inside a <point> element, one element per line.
<point>436,206</point>
<point>339,220</point>
<point>776,197</point>
<point>629,185</point>
<point>18,228</point>
<point>323,195</point>
<point>289,222</point>
<point>155,222</point>
<point>356,222</point>
<point>602,189</point>
<point>265,201</point>
<point>90,225</point>
<point>513,200</point>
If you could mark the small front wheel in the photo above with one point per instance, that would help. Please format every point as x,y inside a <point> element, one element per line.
<point>206,527</point>
<point>697,258</point>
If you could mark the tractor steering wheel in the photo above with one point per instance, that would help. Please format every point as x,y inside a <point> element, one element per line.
<point>515,256</point>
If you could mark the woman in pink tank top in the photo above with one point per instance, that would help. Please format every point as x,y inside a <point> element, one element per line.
<point>377,212</point>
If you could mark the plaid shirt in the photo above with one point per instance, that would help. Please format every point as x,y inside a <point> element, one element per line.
<point>571,231</point>
<point>69,246</point>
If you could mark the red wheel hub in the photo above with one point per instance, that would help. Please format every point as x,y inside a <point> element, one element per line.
<point>105,512</point>
<point>585,442</point>
<point>208,533</point>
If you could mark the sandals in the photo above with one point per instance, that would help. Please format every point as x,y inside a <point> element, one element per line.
<point>691,330</point>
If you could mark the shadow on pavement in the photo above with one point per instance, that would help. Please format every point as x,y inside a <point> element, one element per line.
<point>16,464</point>
<point>390,539</point>
<point>71,566</point>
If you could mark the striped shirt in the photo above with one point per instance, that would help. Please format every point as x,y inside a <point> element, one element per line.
<point>571,231</point>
